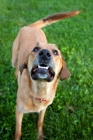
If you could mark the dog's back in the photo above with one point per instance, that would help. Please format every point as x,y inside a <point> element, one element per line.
<point>25,42</point>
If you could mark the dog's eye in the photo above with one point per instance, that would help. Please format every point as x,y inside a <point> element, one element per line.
<point>36,49</point>
<point>55,52</point>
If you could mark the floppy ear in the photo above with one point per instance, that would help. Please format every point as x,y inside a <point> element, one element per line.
<point>23,66</point>
<point>65,73</point>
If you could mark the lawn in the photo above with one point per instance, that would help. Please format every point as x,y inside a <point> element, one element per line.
<point>70,117</point>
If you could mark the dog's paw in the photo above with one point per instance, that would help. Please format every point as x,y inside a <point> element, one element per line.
<point>40,137</point>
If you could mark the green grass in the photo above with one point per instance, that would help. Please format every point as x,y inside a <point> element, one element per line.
<point>70,117</point>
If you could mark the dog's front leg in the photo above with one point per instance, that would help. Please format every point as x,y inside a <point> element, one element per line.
<point>19,117</point>
<point>40,124</point>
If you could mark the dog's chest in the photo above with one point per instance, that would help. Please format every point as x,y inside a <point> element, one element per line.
<point>32,105</point>
<point>28,102</point>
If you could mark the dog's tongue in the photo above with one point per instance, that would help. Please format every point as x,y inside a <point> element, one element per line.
<point>35,69</point>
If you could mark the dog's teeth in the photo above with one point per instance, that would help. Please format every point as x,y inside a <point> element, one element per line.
<point>42,67</point>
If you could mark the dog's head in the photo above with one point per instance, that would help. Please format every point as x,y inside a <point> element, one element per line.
<point>45,62</point>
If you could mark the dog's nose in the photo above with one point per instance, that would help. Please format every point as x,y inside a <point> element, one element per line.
<point>44,57</point>
<point>45,54</point>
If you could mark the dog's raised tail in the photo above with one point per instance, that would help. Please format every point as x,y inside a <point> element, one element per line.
<point>53,18</point>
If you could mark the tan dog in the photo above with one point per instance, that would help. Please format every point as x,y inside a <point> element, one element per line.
<point>38,65</point>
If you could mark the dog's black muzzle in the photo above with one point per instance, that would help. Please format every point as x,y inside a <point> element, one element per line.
<point>43,66</point>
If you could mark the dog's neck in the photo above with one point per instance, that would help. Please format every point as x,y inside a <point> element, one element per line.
<point>43,89</point>
<point>39,87</point>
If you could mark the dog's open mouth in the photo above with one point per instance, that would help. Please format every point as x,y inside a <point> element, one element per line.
<point>42,72</point>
